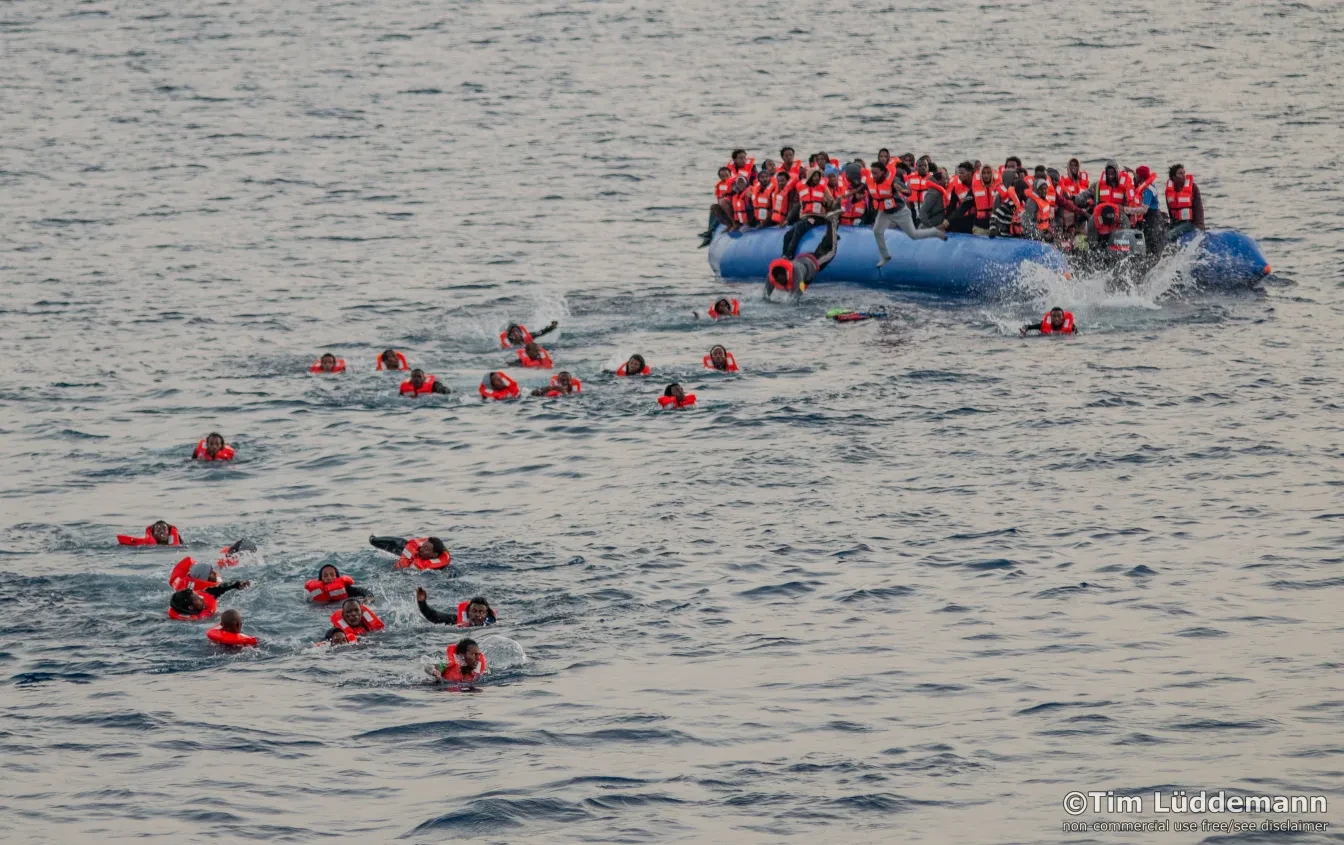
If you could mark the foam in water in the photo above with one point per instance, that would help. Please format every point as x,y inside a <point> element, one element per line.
<point>546,305</point>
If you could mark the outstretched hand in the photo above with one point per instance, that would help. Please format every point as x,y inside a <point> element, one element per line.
<point>553,324</point>
<point>420,594</point>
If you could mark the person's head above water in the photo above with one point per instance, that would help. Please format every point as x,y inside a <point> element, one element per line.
<point>532,350</point>
<point>515,332</point>
<point>1056,317</point>
<point>635,364</point>
<point>723,307</point>
<point>214,441</point>
<point>478,611</point>
<point>327,362</point>
<point>497,381</point>
<point>390,360</point>
<point>162,532</point>
<point>202,571</point>
<point>187,602</point>
<point>417,378</point>
<point>352,613</point>
<point>231,621</point>
<point>675,391</point>
<point>468,654</point>
<point>564,380</point>
<point>431,548</point>
<point>718,356</point>
<point>328,573</point>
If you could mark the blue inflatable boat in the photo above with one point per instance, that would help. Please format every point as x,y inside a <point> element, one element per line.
<point>963,265</point>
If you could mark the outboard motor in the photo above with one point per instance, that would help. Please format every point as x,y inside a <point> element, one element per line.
<point>1127,243</point>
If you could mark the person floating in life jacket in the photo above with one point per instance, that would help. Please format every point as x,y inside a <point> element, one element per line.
<point>468,614</point>
<point>419,384</point>
<point>331,586</point>
<point>421,552</point>
<point>725,308</point>
<point>533,356</point>
<point>465,663</point>
<point>351,622</point>
<point>562,384</point>
<point>720,359</point>
<point>518,335</point>
<point>190,605</point>
<point>213,448</point>
<point>499,387</point>
<point>674,396</point>
<point>793,275</point>
<point>635,366</point>
<point>391,359</point>
<point>328,363</point>
<point>229,631</point>
<point>158,534</point>
<point>1056,321</point>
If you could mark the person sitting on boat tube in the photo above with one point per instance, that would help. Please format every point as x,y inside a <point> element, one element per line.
<point>793,275</point>
<point>813,201</point>
<point>518,335</point>
<point>1056,321</point>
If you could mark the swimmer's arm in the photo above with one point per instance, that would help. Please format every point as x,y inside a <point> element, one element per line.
<point>243,545</point>
<point>332,630</point>
<point>357,592</point>
<point>1030,327</point>
<point>439,387</point>
<point>552,327</point>
<point>435,616</point>
<point>388,544</point>
<point>220,589</point>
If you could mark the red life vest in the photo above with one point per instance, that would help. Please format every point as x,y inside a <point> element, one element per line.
<point>740,213</point>
<point>317,367</point>
<point>1045,206</point>
<point>453,671</point>
<point>737,311</point>
<point>1074,187</point>
<point>371,623</point>
<point>1119,196</point>
<point>426,386</point>
<point>671,401</point>
<point>555,387</point>
<point>504,337</point>
<point>510,390</point>
<point>1067,328</point>
<point>178,579</point>
<point>884,195</point>
<point>226,559</point>
<point>812,200</point>
<point>760,202</point>
<point>795,167</point>
<point>620,371</point>
<point>542,363</point>
<point>1102,228</point>
<point>984,200</point>
<point>917,185</point>
<point>320,593</point>
<point>1137,194</point>
<point>224,454</point>
<point>211,605</point>
<point>946,193</point>
<point>747,170</point>
<point>958,189</point>
<point>732,363</point>
<point>148,539</point>
<point>853,209</point>
<point>1181,204</point>
<point>464,622</point>
<point>779,202</point>
<point>409,558</point>
<point>723,188</point>
<point>401,362</point>
<point>220,636</point>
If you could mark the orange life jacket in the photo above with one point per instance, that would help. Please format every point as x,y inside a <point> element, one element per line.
<point>1010,195</point>
<point>779,202</point>
<point>148,539</point>
<point>723,188</point>
<point>745,170</point>
<point>795,167</point>
<point>401,362</point>
<point>740,213</point>
<point>504,337</point>
<point>555,387</point>
<point>1067,328</point>
<point>1119,196</point>
<point>320,593</point>
<point>220,636</point>
<point>409,557</point>
<point>1102,228</point>
<point>671,401</point>
<point>224,454</point>
<point>510,390</point>
<point>853,209</point>
<point>464,622</point>
<point>1073,187</point>
<point>178,579</point>
<point>732,363</point>
<point>812,200</point>
<point>917,185</point>
<point>317,367</point>
<point>426,386</point>
<point>620,371</point>
<point>736,312</point>
<point>884,195</point>
<point>984,200</point>
<point>946,193</point>
<point>1045,206</point>
<point>958,189</point>
<point>211,605</point>
<point>1137,193</point>
<point>760,201</point>
<point>371,623</point>
<point>542,363</point>
<point>453,672</point>
<point>1181,203</point>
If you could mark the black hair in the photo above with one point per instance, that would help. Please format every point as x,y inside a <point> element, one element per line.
<point>782,149</point>
<point>884,150</point>
<point>966,165</point>
<point>1013,158</point>
<point>718,346</point>
<point>721,169</point>
<point>723,301</point>
<point>181,602</point>
<point>333,569</point>
<point>464,644</point>
<point>326,355</point>
<point>1056,308</point>
<point>417,370</point>
<point>668,390</point>
<point>1040,168</point>
<point>1108,214</point>
<point>779,274</point>
<point>1171,171</point>
<point>347,601</point>
<point>162,522</point>
<point>825,157</point>
<point>735,152</point>
<point>436,545</point>
<point>640,358</point>
<point>1074,161</point>
<point>215,434</point>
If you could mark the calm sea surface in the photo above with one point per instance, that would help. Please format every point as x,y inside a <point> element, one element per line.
<point>902,582</point>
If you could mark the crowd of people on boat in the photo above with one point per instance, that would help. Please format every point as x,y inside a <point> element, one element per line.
<point>924,200</point>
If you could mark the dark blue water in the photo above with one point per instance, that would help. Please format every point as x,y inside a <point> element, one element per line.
<point>901,582</point>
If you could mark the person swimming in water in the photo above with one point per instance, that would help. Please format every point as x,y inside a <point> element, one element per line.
<point>793,275</point>
<point>353,621</point>
<point>518,335</point>
<point>213,448</point>
<point>635,366</point>
<point>421,552</point>
<point>1056,321</point>
<point>158,534</point>
<point>419,384</point>
<point>498,386</point>
<point>562,384</point>
<point>725,308</point>
<point>675,396</point>
<point>534,356</point>
<point>391,359</point>
<point>188,604</point>
<point>328,363</point>
<point>229,631</point>
<point>720,359</point>
<point>465,663</point>
<point>469,614</point>
<point>331,586</point>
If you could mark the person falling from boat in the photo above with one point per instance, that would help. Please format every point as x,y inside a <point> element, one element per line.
<point>1056,321</point>
<point>792,275</point>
